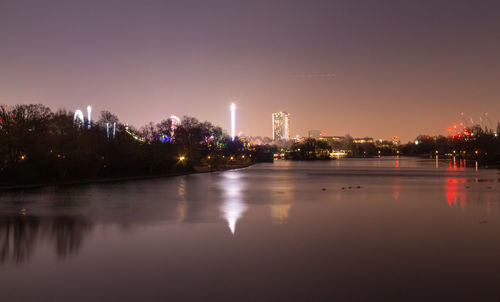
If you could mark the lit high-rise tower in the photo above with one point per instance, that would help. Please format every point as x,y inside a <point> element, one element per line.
<point>281,126</point>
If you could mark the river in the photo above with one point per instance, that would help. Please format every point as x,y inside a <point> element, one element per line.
<point>382,229</point>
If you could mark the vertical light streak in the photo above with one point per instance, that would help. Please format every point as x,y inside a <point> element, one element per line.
<point>233,122</point>
<point>234,205</point>
<point>89,111</point>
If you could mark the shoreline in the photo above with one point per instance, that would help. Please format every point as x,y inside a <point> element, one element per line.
<point>196,170</point>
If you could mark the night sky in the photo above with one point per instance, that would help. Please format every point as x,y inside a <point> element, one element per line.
<point>368,68</point>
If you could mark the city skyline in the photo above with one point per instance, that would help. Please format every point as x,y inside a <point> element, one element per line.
<point>256,150</point>
<point>461,123</point>
<point>346,67</point>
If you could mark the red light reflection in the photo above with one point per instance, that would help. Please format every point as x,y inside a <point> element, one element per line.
<point>454,195</point>
<point>396,190</point>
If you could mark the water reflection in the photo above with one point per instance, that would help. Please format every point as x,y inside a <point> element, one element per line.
<point>233,206</point>
<point>281,203</point>
<point>469,193</point>
<point>63,218</point>
<point>182,204</point>
<point>454,195</point>
<point>68,233</point>
<point>280,212</point>
<point>19,235</point>
<point>396,189</point>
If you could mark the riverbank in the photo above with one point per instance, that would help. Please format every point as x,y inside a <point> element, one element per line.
<point>196,170</point>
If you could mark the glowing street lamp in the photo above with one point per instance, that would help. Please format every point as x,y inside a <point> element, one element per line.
<point>233,122</point>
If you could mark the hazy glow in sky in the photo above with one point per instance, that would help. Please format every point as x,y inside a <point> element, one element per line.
<point>374,68</point>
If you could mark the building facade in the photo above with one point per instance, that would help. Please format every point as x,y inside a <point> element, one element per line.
<point>281,127</point>
<point>315,134</point>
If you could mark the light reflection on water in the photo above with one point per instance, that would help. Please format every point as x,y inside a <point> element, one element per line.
<point>340,229</point>
<point>233,205</point>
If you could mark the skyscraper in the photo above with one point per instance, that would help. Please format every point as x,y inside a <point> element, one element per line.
<point>281,126</point>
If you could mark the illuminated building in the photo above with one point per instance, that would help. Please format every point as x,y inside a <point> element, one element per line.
<point>298,138</point>
<point>395,141</point>
<point>364,140</point>
<point>315,133</point>
<point>281,126</point>
<point>318,134</point>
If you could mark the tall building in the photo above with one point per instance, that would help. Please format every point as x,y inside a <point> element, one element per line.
<point>281,127</point>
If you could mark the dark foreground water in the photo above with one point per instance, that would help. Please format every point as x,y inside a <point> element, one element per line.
<point>347,230</point>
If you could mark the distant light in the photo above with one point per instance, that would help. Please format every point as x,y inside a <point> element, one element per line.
<point>182,158</point>
<point>89,116</point>
<point>416,142</point>
<point>78,115</point>
<point>175,118</point>
<point>176,122</point>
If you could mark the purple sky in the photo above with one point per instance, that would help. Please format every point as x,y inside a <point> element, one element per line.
<point>401,67</point>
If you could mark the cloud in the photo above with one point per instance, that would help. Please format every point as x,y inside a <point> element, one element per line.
<point>312,75</point>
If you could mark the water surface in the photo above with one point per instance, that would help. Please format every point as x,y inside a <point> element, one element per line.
<point>346,230</point>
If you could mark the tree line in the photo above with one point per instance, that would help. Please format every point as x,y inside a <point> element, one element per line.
<point>475,143</point>
<point>39,145</point>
